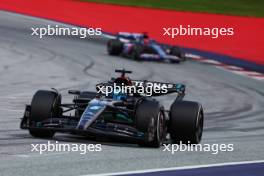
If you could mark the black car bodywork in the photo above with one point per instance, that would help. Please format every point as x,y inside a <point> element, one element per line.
<point>136,117</point>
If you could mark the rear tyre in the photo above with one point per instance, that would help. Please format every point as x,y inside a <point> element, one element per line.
<point>186,122</point>
<point>114,47</point>
<point>150,120</point>
<point>44,105</point>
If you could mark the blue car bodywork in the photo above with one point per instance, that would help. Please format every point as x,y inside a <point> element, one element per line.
<point>139,47</point>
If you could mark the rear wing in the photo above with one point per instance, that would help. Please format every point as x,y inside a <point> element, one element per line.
<point>129,36</point>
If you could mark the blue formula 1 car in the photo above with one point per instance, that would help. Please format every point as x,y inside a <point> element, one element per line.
<point>139,47</point>
<point>132,117</point>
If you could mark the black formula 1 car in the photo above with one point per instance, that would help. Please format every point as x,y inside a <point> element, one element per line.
<point>133,117</point>
<point>139,47</point>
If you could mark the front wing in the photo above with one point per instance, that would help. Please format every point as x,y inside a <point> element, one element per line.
<point>67,124</point>
<point>157,57</point>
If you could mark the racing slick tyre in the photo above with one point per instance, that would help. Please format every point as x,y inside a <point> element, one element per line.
<point>114,47</point>
<point>150,119</point>
<point>44,105</point>
<point>186,122</point>
<point>176,51</point>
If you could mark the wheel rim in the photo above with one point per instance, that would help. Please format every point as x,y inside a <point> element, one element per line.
<point>160,126</point>
<point>199,128</point>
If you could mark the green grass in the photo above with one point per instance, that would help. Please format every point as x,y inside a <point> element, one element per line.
<point>228,7</point>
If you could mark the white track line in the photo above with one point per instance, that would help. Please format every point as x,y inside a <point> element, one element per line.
<point>179,168</point>
<point>40,155</point>
<point>230,68</point>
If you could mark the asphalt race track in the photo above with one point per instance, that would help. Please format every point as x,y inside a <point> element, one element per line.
<point>233,104</point>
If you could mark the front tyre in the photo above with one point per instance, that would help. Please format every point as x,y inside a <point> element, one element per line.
<point>44,105</point>
<point>150,120</point>
<point>114,47</point>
